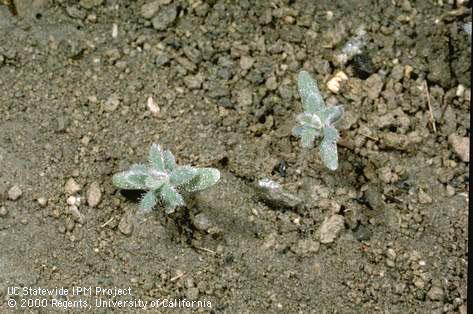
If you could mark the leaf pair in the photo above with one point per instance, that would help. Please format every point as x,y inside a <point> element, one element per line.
<point>317,120</point>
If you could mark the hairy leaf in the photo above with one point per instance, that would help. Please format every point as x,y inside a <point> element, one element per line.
<point>205,178</point>
<point>312,101</point>
<point>333,114</point>
<point>330,134</point>
<point>182,175</point>
<point>133,179</point>
<point>309,119</point>
<point>308,136</point>
<point>156,157</point>
<point>154,183</point>
<point>148,202</point>
<point>171,198</point>
<point>328,148</point>
<point>169,161</point>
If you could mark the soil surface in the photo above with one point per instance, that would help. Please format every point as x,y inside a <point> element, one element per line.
<point>384,233</point>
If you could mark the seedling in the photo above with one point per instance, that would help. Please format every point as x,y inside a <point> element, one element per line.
<point>317,121</point>
<point>164,181</point>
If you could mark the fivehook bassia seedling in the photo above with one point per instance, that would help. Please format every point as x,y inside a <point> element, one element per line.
<point>164,181</point>
<point>317,120</point>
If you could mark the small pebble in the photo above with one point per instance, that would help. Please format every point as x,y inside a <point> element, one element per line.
<point>148,10</point>
<point>153,106</point>
<point>70,224</point>
<point>271,83</point>
<point>114,30</point>
<point>71,200</point>
<point>419,283</point>
<point>450,190</point>
<point>435,294</point>
<point>373,86</point>
<point>76,214</point>
<point>246,62</point>
<point>334,83</point>
<point>94,195</point>
<point>72,187</point>
<point>461,146</point>
<point>3,211</point>
<point>424,198</point>
<point>42,201</point>
<point>164,18</point>
<point>126,224</point>
<point>14,193</point>
<point>112,103</point>
<point>201,222</point>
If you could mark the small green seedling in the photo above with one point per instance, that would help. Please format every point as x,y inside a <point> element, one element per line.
<point>164,181</point>
<point>317,121</point>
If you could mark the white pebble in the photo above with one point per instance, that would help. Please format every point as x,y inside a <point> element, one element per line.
<point>334,83</point>
<point>42,201</point>
<point>153,107</point>
<point>114,30</point>
<point>3,211</point>
<point>14,193</point>
<point>71,200</point>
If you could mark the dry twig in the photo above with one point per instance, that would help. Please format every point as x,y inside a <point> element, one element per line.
<point>432,119</point>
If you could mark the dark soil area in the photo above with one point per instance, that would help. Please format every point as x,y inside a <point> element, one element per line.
<point>384,233</point>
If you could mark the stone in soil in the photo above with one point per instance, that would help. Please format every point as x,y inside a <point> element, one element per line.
<point>201,222</point>
<point>3,211</point>
<point>246,62</point>
<point>461,146</point>
<point>126,224</point>
<point>435,294</point>
<point>94,195</point>
<point>72,187</point>
<point>14,192</point>
<point>112,103</point>
<point>42,201</point>
<point>330,228</point>
<point>148,10</point>
<point>164,18</point>
<point>373,86</point>
<point>271,193</point>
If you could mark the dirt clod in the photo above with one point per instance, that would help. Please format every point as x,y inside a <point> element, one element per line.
<point>330,228</point>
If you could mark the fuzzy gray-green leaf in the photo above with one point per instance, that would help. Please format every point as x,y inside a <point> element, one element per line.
<point>171,198</point>
<point>309,119</point>
<point>155,157</point>
<point>182,175</point>
<point>312,101</point>
<point>328,148</point>
<point>133,179</point>
<point>333,114</point>
<point>205,178</point>
<point>308,136</point>
<point>330,134</point>
<point>148,201</point>
<point>169,161</point>
<point>153,183</point>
